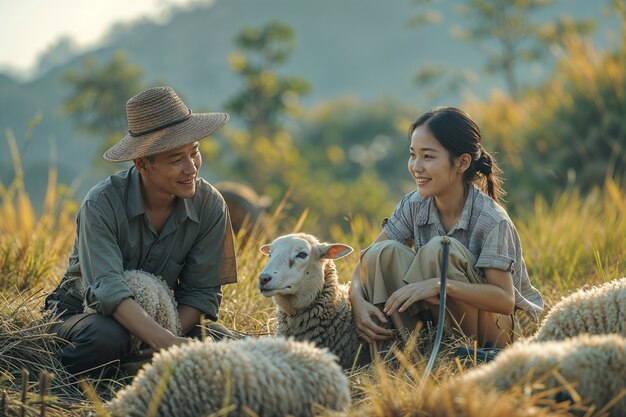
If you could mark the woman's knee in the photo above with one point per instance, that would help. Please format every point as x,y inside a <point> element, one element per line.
<point>382,267</point>
<point>435,245</point>
<point>386,250</point>
<point>458,255</point>
<point>497,329</point>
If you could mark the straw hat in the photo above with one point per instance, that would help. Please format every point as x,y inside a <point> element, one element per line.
<point>159,121</point>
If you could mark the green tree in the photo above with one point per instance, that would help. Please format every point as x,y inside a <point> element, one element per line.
<point>569,132</point>
<point>357,155</point>
<point>580,139</point>
<point>264,153</point>
<point>619,8</point>
<point>436,80</point>
<point>99,94</point>
<point>330,160</point>
<point>350,138</point>
<point>266,95</point>
<point>509,36</point>
<point>439,80</point>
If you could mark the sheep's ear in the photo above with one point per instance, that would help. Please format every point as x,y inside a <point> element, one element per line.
<point>265,249</point>
<point>334,250</point>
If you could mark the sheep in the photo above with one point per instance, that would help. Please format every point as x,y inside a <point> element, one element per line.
<point>594,365</point>
<point>153,294</point>
<point>245,206</point>
<point>598,310</point>
<point>301,278</point>
<point>266,376</point>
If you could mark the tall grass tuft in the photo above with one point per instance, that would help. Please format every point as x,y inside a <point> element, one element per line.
<point>27,353</point>
<point>32,245</point>
<point>577,240</point>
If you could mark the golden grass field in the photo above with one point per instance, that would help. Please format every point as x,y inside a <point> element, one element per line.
<point>578,240</point>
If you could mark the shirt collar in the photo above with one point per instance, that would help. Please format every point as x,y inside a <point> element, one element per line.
<point>135,205</point>
<point>466,215</point>
<point>189,209</point>
<point>428,211</point>
<point>184,207</point>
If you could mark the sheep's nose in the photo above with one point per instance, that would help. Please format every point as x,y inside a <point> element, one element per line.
<point>264,278</point>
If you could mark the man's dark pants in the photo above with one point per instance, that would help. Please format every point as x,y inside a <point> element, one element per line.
<point>93,340</point>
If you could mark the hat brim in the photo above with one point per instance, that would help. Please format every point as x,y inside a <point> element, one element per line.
<point>198,126</point>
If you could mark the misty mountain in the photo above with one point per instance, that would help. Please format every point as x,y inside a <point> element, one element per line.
<point>361,48</point>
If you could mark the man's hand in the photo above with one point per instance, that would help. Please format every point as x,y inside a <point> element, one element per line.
<point>135,319</point>
<point>149,351</point>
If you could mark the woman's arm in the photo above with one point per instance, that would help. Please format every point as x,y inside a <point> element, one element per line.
<point>496,295</point>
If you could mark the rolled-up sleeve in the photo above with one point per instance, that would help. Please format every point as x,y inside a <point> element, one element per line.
<point>101,261</point>
<point>399,226</point>
<point>209,264</point>
<point>499,248</point>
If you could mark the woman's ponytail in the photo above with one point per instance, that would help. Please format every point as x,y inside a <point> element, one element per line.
<point>490,175</point>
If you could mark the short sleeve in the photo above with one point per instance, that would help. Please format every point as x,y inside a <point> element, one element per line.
<point>399,226</point>
<point>209,264</point>
<point>499,247</point>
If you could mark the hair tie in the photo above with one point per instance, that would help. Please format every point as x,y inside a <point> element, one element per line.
<point>484,163</point>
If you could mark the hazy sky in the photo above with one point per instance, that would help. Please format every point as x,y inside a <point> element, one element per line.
<point>29,27</point>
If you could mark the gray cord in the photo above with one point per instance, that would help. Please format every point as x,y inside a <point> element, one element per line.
<point>445,243</point>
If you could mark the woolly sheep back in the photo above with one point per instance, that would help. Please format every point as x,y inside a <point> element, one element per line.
<point>598,310</point>
<point>595,363</point>
<point>152,293</point>
<point>269,376</point>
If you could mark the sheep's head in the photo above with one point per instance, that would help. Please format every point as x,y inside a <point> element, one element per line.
<point>294,274</point>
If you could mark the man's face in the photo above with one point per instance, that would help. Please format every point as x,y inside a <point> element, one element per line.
<point>174,172</point>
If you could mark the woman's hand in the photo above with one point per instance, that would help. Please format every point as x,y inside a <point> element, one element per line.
<point>402,298</point>
<point>364,312</point>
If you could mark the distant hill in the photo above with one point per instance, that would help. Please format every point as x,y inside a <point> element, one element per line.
<point>362,48</point>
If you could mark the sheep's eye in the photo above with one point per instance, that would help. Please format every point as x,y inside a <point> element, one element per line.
<point>302,255</point>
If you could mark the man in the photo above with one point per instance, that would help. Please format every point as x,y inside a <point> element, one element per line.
<point>157,216</point>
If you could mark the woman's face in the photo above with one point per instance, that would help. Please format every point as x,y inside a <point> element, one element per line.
<point>430,167</point>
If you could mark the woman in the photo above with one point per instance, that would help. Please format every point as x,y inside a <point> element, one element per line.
<point>487,277</point>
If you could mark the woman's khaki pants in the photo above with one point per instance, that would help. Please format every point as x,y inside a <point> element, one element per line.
<point>389,265</point>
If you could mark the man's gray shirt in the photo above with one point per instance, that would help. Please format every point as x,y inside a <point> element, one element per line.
<point>194,251</point>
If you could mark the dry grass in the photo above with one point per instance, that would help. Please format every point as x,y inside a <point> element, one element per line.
<point>380,391</point>
<point>576,239</point>
<point>574,242</point>
<point>33,246</point>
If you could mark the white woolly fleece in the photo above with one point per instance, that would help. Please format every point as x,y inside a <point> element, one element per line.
<point>598,310</point>
<point>272,377</point>
<point>594,364</point>
<point>152,293</point>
